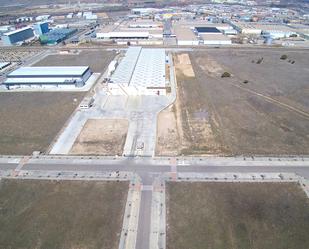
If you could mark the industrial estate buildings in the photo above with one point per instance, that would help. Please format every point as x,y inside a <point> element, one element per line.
<point>135,31</point>
<point>140,72</point>
<point>17,36</point>
<point>48,77</point>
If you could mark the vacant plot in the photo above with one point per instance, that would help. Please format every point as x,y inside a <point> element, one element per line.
<point>187,127</point>
<point>237,215</point>
<point>183,64</point>
<point>61,214</point>
<point>262,109</point>
<point>30,121</point>
<point>101,137</point>
<point>98,60</point>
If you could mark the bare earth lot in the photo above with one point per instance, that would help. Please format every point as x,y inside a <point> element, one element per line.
<point>237,215</point>
<point>30,121</point>
<point>98,60</point>
<point>66,214</point>
<point>101,137</point>
<point>267,115</point>
<point>186,126</point>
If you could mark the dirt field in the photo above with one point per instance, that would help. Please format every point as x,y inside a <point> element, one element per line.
<point>66,214</point>
<point>237,215</point>
<point>184,128</point>
<point>17,55</point>
<point>98,60</point>
<point>262,109</point>
<point>101,137</point>
<point>30,121</point>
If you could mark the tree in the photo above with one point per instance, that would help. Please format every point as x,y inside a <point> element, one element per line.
<point>283,57</point>
<point>226,75</point>
<point>259,61</point>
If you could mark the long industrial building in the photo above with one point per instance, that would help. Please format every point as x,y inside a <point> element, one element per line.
<point>48,77</point>
<point>17,36</point>
<point>140,72</point>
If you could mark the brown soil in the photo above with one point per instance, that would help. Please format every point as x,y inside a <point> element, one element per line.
<point>101,137</point>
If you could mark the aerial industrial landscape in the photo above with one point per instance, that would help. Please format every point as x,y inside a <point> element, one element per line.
<point>154,124</point>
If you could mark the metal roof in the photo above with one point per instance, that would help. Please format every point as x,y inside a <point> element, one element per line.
<point>40,80</point>
<point>141,68</point>
<point>150,69</point>
<point>49,71</point>
<point>207,30</point>
<point>126,67</point>
<point>16,31</point>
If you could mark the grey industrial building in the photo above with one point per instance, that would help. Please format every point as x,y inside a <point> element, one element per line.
<point>48,77</point>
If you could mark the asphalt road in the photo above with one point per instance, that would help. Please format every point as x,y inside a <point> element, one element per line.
<point>146,170</point>
<point>149,170</point>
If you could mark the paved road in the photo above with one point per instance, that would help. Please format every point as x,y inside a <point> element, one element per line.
<point>151,169</point>
<point>144,220</point>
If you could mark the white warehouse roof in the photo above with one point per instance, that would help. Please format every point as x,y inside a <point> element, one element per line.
<point>126,67</point>
<point>39,80</point>
<point>16,31</point>
<point>150,69</point>
<point>49,71</point>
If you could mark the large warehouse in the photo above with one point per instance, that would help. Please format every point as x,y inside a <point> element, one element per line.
<point>48,77</point>
<point>17,36</point>
<point>140,72</point>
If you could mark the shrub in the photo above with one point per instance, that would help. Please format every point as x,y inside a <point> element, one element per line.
<point>259,61</point>
<point>283,57</point>
<point>246,81</point>
<point>225,75</point>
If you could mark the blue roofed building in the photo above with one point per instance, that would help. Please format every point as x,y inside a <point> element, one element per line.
<point>55,36</point>
<point>41,28</point>
<point>17,36</point>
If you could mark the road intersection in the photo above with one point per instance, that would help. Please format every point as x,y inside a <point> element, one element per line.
<point>144,219</point>
<point>145,227</point>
